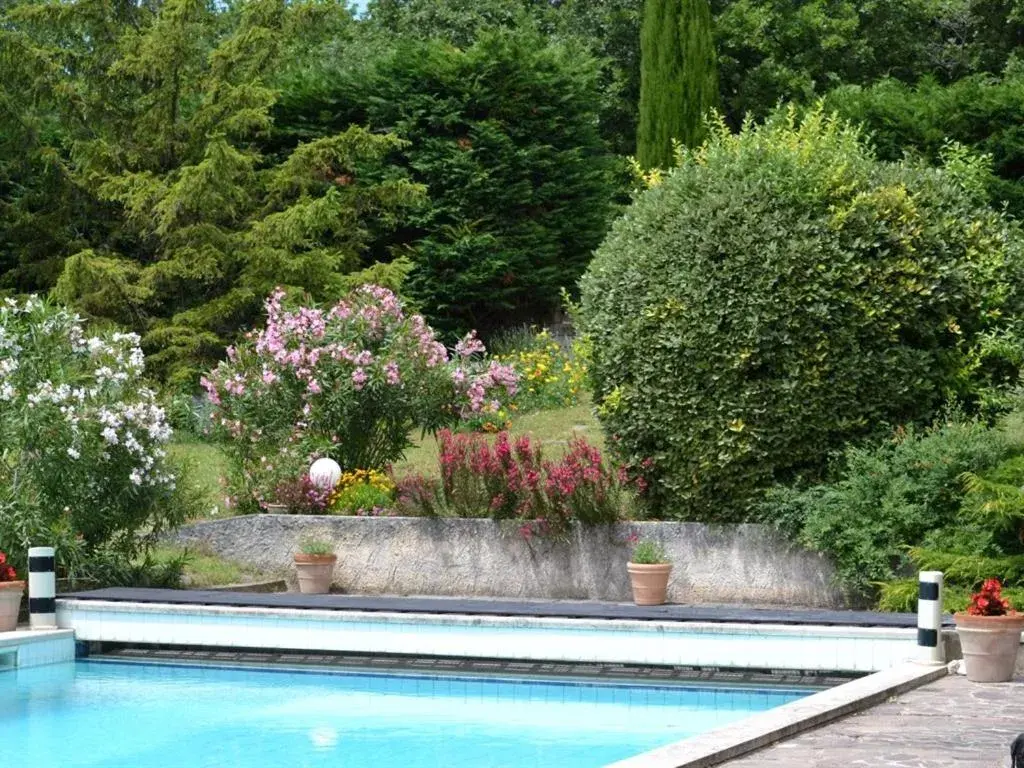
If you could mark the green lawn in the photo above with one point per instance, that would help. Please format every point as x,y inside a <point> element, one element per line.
<point>207,570</point>
<point>553,429</point>
<point>208,465</point>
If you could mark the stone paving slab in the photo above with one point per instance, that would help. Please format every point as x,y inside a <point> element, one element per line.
<point>950,723</point>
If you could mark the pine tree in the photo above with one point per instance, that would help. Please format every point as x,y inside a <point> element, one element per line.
<point>166,114</point>
<point>678,77</point>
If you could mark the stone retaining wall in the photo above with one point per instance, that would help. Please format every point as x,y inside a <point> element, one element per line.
<point>454,557</point>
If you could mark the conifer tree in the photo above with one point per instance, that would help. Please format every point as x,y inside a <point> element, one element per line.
<point>678,78</point>
<point>165,114</point>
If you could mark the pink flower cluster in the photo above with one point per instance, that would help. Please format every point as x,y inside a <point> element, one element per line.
<point>479,390</point>
<point>358,377</point>
<point>370,334</point>
<point>511,480</point>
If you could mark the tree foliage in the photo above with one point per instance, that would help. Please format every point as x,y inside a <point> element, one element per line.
<point>162,114</point>
<point>781,293</point>
<point>503,135</point>
<point>678,78</point>
<point>981,112</point>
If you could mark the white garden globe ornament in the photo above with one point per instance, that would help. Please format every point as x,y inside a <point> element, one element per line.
<point>325,473</point>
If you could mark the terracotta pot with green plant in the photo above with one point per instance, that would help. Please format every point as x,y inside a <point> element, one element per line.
<point>989,633</point>
<point>314,564</point>
<point>11,591</point>
<point>649,570</point>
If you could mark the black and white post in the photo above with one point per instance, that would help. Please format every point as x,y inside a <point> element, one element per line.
<point>42,588</point>
<point>929,618</point>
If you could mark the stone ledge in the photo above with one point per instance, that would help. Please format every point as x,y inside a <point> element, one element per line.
<point>766,728</point>
<point>712,564</point>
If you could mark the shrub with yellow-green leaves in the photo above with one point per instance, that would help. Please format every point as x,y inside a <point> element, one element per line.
<point>783,292</point>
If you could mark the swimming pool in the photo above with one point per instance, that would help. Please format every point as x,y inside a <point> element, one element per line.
<point>109,714</point>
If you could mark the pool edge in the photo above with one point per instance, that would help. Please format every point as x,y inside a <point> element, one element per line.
<point>766,728</point>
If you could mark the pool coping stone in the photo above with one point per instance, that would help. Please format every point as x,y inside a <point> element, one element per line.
<point>23,636</point>
<point>766,728</point>
<point>567,609</point>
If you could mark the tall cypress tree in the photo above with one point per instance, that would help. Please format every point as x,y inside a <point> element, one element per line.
<point>678,77</point>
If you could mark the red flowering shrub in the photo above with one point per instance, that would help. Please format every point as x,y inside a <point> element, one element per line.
<point>510,480</point>
<point>301,496</point>
<point>7,572</point>
<point>989,601</point>
<point>417,496</point>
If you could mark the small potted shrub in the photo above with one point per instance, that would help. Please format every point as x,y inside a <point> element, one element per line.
<point>989,633</point>
<point>11,591</point>
<point>314,565</point>
<point>649,570</point>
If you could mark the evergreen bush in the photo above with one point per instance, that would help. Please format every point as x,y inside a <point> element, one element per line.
<point>784,292</point>
<point>504,137</point>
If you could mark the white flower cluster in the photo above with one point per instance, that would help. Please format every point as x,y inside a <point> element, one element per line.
<point>105,410</point>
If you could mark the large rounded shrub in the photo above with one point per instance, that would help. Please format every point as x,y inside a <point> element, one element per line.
<point>780,293</point>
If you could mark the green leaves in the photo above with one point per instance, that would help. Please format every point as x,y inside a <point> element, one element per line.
<point>780,294</point>
<point>503,138</point>
<point>170,108</point>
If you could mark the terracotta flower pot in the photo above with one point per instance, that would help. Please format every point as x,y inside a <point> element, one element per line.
<point>10,604</point>
<point>650,582</point>
<point>990,645</point>
<point>315,573</point>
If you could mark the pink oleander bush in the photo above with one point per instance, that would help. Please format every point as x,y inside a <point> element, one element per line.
<point>511,480</point>
<point>352,382</point>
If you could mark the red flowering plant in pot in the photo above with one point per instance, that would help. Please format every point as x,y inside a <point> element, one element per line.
<point>989,632</point>
<point>11,591</point>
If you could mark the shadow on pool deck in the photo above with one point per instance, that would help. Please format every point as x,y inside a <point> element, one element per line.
<point>946,724</point>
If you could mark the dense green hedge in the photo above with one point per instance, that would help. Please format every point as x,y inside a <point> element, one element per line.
<point>889,497</point>
<point>781,293</point>
<point>504,135</point>
<point>981,112</point>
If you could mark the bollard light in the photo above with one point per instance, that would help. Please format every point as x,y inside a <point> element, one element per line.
<point>325,473</point>
<point>929,618</point>
<point>42,588</point>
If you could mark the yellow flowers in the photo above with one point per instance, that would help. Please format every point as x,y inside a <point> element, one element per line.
<point>360,492</point>
<point>371,477</point>
<point>552,377</point>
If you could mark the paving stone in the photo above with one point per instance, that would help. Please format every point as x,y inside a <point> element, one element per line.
<point>950,723</point>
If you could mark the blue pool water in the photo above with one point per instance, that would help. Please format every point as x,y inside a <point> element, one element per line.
<point>104,714</point>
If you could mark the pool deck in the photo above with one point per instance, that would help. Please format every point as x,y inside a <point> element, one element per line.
<point>564,609</point>
<point>948,723</point>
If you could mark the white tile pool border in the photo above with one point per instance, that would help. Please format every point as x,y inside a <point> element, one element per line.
<point>750,646</point>
<point>765,728</point>
<point>24,648</point>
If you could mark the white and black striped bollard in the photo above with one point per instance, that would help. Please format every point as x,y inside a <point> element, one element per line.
<point>929,618</point>
<point>42,588</point>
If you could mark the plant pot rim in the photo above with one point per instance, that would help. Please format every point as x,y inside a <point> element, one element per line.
<point>20,585</point>
<point>1008,620</point>
<point>304,559</point>
<point>648,566</point>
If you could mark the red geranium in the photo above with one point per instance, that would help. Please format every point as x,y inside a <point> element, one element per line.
<point>7,572</point>
<point>989,601</point>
